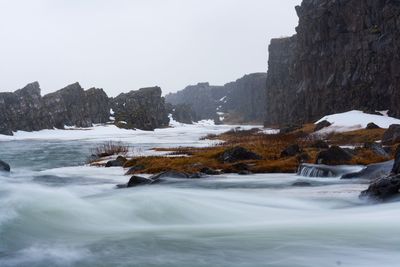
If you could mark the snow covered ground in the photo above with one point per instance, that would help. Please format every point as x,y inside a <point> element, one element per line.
<point>355,120</point>
<point>178,134</point>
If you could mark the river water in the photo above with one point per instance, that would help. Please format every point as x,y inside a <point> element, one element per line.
<point>56,211</point>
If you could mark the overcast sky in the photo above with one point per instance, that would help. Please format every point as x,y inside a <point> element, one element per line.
<point>122,45</point>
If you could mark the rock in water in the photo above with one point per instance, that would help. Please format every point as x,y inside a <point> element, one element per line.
<point>391,135</point>
<point>237,154</point>
<point>169,174</point>
<point>142,109</point>
<point>388,187</point>
<point>383,189</point>
<point>4,166</point>
<point>333,156</point>
<point>138,180</point>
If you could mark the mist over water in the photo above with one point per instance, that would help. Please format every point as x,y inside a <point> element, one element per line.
<point>54,211</point>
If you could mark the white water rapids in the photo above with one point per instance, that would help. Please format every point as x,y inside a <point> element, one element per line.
<point>56,212</point>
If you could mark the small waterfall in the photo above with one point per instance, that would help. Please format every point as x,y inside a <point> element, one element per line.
<point>319,170</point>
<point>311,170</point>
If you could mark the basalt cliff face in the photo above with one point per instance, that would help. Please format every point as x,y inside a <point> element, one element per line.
<point>27,110</point>
<point>345,55</point>
<point>241,101</point>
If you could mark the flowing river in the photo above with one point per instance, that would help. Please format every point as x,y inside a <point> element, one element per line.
<point>56,211</point>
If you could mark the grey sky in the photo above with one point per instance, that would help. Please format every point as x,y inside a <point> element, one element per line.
<point>122,45</point>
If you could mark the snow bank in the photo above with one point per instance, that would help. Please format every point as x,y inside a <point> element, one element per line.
<point>355,120</point>
<point>178,135</point>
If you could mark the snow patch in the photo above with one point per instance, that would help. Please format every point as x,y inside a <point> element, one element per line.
<point>355,120</point>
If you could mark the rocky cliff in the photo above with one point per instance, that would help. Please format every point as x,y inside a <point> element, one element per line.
<point>143,109</point>
<point>240,101</point>
<point>345,55</point>
<point>27,110</point>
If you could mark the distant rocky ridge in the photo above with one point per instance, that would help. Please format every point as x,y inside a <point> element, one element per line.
<point>27,110</point>
<point>242,101</point>
<point>345,56</point>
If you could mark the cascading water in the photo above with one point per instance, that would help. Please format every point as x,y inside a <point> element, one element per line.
<point>318,170</point>
<point>56,212</point>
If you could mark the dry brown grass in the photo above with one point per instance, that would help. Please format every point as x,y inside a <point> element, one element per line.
<point>269,147</point>
<point>110,148</point>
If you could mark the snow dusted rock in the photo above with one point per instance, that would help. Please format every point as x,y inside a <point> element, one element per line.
<point>72,106</point>
<point>27,110</point>
<point>142,109</point>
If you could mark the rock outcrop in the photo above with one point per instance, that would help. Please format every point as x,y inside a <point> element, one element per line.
<point>27,110</point>
<point>182,113</point>
<point>74,106</point>
<point>241,101</point>
<point>142,109</point>
<point>345,56</point>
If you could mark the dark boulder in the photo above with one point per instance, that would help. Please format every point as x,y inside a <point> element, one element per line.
<point>388,187</point>
<point>138,180</point>
<point>320,144</point>
<point>170,174</point>
<point>134,169</point>
<point>4,166</point>
<point>301,184</point>
<point>377,149</point>
<point>118,162</point>
<point>371,126</point>
<point>291,151</point>
<point>334,156</point>
<point>237,154</point>
<point>391,135</point>
<point>322,124</point>
<point>383,189</point>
